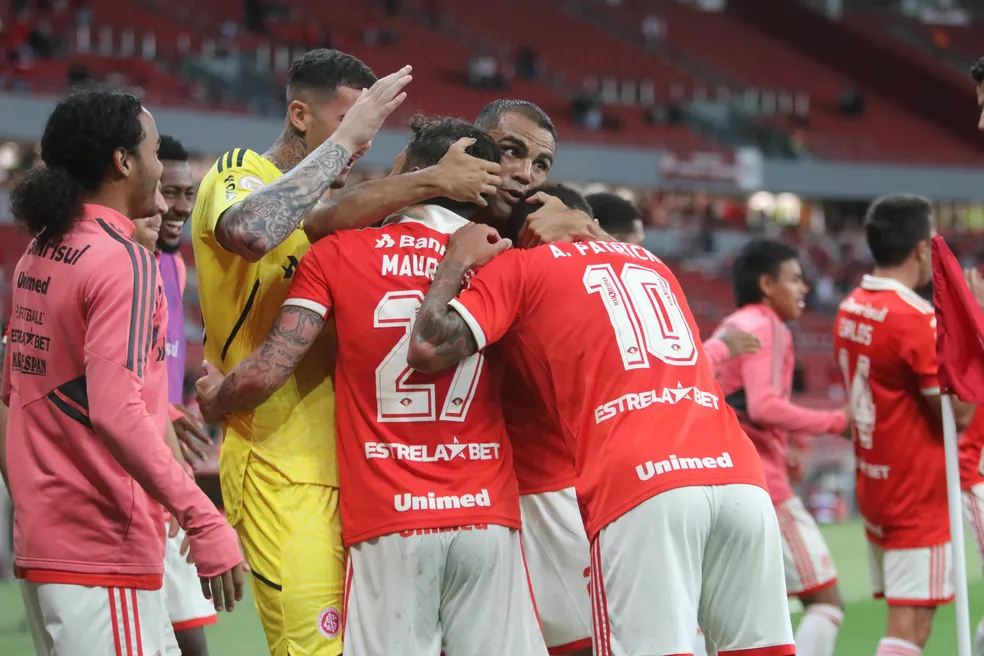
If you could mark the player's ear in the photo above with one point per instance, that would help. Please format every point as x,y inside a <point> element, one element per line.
<point>299,115</point>
<point>122,162</point>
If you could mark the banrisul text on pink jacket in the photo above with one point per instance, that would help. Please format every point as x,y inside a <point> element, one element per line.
<point>85,380</point>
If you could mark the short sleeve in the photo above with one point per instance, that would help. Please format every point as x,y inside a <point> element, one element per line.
<point>311,285</point>
<point>492,304</point>
<point>238,174</point>
<point>917,347</point>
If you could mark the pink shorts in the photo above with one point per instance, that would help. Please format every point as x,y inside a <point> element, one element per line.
<point>707,555</point>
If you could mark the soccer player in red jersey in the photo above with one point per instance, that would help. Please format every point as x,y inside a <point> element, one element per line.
<point>770,291</point>
<point>972,484</point>
<point>885,344</point>
<point>85,384</point>
<point>671,490</point>
<point>430,507</point>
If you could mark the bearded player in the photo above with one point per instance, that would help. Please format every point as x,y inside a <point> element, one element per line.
<point>430,508</point>
<point>278,476</point>
<point>885,343</point>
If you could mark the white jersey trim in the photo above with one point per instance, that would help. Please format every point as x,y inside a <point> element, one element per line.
<point>434,217</point>
<point>879,284</point>
<point>473,325</point>
<point>930,391</point>
<point>307,304</point>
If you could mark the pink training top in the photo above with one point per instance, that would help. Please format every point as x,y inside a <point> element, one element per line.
<point>85,381</point>
<point>758,386</point>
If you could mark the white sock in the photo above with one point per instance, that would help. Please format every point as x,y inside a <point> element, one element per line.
<point>897,647</point>
<point>699,647</point>
<point>817,631</point>
<point>979,642</point>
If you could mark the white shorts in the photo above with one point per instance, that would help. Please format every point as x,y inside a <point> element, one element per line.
<point>558,556</point>
<point>692,555</point>
<point>973,507</point>
<point>805,557</point>
<point>464,592</point>
<point>912,577</point>
<point>75,620</point>
<point>187,607</point>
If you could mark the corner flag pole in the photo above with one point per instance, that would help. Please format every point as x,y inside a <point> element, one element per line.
<point>955,504</point>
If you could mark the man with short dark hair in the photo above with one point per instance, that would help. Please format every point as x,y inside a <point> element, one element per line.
<point>770,292</point>
<point>885,343</point>
<point>618,217</point>
<point>430,511</point>
<point>278,475</point>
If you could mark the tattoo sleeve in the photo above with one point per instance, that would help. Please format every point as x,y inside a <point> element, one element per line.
<point>440,337</point>
<point>266,369</point>
<point>264,219</point>
<point>366,203</point>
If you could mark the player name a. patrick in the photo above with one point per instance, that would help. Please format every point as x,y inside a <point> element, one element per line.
<point>431,501</point>
<point>649,469</point>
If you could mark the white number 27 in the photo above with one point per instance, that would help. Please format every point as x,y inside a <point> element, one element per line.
<point>645,314</point>
<point>400,401</point>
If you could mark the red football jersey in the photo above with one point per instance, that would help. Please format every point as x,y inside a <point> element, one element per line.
<point>885,344</point>
<point>971,456</point>
<point>634,393</point>
<point>542,458</point>
<point>415,451</point>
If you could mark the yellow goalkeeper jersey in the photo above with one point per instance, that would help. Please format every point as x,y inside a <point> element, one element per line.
<point>294,430</point>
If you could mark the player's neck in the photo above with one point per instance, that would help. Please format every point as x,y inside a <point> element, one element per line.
<point>900,274</point>
<point>288,150</point>
<point>112,197</point>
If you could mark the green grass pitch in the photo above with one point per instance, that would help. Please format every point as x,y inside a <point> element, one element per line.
<point>240,633</point>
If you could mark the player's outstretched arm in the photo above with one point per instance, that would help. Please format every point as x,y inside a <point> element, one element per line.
<point>441,338</point>
<point>264,219</point>
<point>458,176</point>
<point>265,370</point>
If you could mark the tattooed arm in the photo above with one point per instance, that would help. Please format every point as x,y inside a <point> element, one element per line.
<point>440,337</point>
<point>264,219</point>
<point>265,370</point>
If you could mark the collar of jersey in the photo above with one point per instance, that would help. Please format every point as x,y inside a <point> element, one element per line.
<point>110,216</point>
<point>879,284</point>
<point>434,217</point>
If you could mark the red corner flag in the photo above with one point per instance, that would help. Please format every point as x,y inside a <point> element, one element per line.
<point>959,327</point>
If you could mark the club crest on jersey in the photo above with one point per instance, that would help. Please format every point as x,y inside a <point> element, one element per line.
<point>330,622</point>
<point>385,242</point>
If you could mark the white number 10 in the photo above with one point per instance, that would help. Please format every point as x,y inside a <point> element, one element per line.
<point>645,314</point>
<point>400,401</point>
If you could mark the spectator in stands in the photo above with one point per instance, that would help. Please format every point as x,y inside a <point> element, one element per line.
<point>653,30</point>
<point>618,217</point>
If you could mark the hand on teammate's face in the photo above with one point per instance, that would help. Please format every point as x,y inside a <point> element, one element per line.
<point>475,244</point>
<point>363,120</point>
<point>206,389</point>
<point>741,343</point>
<point>554,222</point>
<point>468,179</point>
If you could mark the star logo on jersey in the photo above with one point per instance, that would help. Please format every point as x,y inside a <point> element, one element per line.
<point>456,450</point>
<point>680,393</point>
<point>385,242</point>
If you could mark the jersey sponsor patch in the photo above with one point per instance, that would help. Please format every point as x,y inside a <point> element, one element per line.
<point>250,182</point>
<point>330,622</point>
